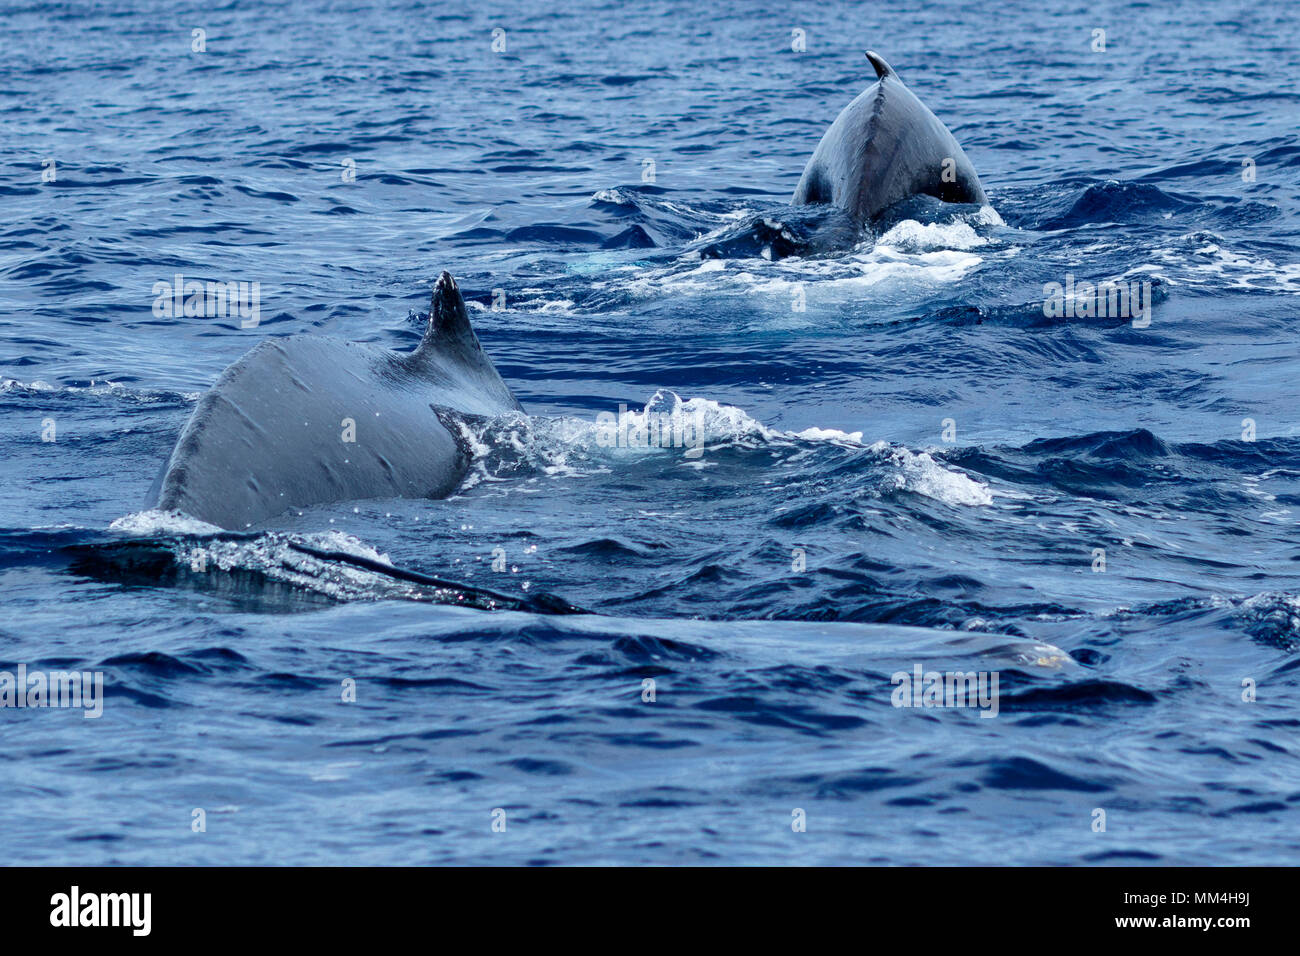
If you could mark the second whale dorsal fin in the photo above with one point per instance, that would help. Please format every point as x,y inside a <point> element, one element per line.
<point>883,69</point>
<point>449,326</point>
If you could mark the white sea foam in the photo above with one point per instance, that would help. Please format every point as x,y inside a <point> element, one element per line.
<point>153,521</point>
<point>909,256</point>
<point>1204,259</point>
<point>111,389</point>
<point>570,447</point>
<point>922,475</point>
<point>1273,615</point>
<point>277,556</point>
<point>869,270</point>
<point>912,236</point>
<point>828,435</point>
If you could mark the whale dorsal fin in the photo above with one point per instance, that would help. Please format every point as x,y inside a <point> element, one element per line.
<point>450,356</point>
<point>883,69</point>
<point>449,326</point>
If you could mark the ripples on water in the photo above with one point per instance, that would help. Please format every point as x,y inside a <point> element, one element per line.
<point>939,460</point>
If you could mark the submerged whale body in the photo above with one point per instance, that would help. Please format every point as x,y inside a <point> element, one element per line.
<point>885,147</point>
<point>306,420</point>
<point>780,233</point>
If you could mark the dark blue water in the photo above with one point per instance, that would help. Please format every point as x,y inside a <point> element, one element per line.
<point>965,547</point>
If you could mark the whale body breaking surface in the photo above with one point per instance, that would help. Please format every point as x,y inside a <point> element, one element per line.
<point>306,420</point>
<point>884,159</point>
<point>883,148</point>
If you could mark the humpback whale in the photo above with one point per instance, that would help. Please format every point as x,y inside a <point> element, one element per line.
<point>883,148</point>
<point>305,420</point>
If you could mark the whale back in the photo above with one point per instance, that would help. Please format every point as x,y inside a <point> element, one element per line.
<point>884,147</point>
<point>304,420</point>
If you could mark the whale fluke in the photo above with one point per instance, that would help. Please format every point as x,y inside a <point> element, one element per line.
<point>883,69</point>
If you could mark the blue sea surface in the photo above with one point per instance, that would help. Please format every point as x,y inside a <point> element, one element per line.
<point>902,462</point>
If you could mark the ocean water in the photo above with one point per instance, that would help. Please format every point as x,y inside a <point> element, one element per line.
<point>896,459</point>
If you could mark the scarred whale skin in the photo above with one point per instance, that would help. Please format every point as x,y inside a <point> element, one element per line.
<point>884,147</point>
<point>269,435</point>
